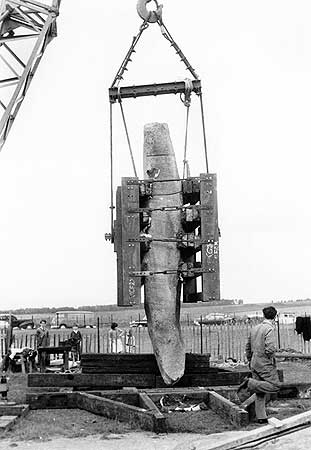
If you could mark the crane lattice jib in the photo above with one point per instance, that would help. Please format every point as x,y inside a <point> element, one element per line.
<point>26,28</point>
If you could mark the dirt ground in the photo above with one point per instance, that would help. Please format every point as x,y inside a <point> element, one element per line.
<point>53,429</point>
<point>129,441</point>
<point>299,440</point>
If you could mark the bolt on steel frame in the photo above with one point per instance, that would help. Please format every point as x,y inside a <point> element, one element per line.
<point>26,28</point>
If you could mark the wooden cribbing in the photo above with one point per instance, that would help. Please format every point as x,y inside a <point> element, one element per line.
<point>90,381</point>
<point>116,410</point>
<point>228,410</point>
<point>52,400</point>
<point>137,407</point>
<point>114,381</point>
<point>127,409</point>
<point>288,355</point>
<point>138,363</point>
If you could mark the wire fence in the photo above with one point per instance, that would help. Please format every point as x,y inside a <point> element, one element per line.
<point>221,341</point>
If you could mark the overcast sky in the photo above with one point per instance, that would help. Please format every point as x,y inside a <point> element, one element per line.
<point>254,60</point>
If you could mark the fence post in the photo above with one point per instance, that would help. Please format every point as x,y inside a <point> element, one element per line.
<point>279,339</point>
<point>201,334</point>
<point>98,342</point>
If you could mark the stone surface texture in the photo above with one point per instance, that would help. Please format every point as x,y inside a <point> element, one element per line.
<point>162,291</point>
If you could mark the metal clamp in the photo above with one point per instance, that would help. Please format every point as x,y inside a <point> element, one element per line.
<point>149,16</point>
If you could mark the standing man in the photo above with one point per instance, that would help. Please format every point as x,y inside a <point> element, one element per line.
<point>76,339</point>
<point>42,340</point>
<point>260,351</point>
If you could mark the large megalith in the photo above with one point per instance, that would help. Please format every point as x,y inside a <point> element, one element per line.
<point>162,291</point>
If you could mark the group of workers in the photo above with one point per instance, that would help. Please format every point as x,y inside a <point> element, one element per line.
<point>260,350</point>
<point>75,339</point>
<point>118,339</point>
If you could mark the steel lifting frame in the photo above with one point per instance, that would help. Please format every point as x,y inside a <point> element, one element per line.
<point>35,24</point>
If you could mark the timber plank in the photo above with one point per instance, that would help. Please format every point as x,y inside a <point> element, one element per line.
<point>138,363</point>
<point>208,379</point>
<point>228,410</point>
<point>51,400</point>
<point>160,424</point>
<point>265,431</point>
<point>116,410</point>
<point>7,422</point>
<point>116,380</point>
<point>288,355</point>
<point>131,286</point>
<point>98,381</point>
<point>119,396</point>
<point>209,233</point>
<point>13,410</point>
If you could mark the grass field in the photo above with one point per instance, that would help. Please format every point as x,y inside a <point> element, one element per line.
<point>189,312</point>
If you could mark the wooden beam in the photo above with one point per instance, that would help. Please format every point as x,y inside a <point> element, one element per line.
<point>116,410</point>
<point>248,402</point>
<point>89,381</point>
<point>228,410</point>
<point>160,424</point>
<point>129,252</point>
<point>210,234</point>
<point>138,363</point>
<point>13,410</point>
<point>118,246</point>
<point>51,400</point>
<point>293,355</point>
<point>7,422</point>
<point>207,379</point>
<point>197,394</point>
<point>268,431</point>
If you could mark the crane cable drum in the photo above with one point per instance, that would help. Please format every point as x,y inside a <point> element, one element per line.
<point>116,93</point>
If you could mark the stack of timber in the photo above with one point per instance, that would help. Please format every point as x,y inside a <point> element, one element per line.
<point>141,370</point>
<point>138,363</point>
<point>115,371</point>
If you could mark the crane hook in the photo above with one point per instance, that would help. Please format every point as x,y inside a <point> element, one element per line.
<point>149,16</point>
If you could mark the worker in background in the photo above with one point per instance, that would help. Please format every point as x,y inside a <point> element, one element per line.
<point>42,340</point>
<point>260,352</point>
<point>130,341</point>
<point>115,339</point>
<point>4,387</point>
<point>75,339</point>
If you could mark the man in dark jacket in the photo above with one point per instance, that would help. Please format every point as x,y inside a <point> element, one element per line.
<point>43,340</point>
<point>260,351</point>
<point>75,340</point>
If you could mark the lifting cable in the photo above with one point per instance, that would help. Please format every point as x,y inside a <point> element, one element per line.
<point>204,131</point>
<point>127,133</point>
<point>111,176</point>
<point>127,59</point>
<point>116,82</point>
<point>186,99</point>
<point>187,102</point>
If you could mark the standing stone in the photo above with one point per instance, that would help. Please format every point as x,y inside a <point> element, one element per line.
<point>162,291</point>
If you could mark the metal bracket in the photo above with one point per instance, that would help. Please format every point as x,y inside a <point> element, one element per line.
<point>197,241</point>
<point>171,208</point>
<point>175,87</point>
<point>185,273</point>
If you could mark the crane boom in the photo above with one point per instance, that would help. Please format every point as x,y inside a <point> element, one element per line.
<point>26,28</point>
